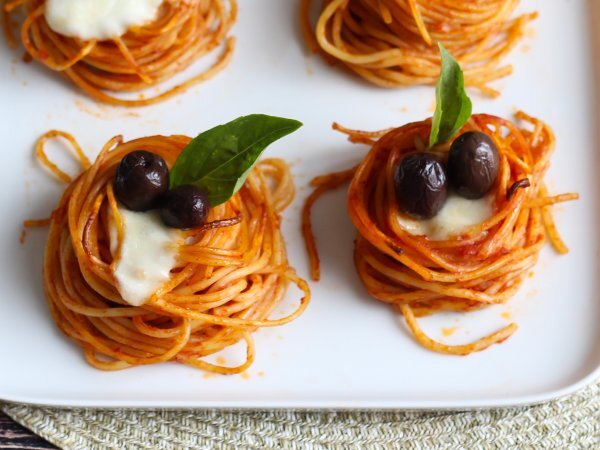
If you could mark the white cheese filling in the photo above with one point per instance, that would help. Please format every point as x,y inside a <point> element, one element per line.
<point>148,253</point>
<point>98,19</point>
<point>456,216</point>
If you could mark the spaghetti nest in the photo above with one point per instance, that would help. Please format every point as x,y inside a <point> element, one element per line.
<point>392,43</point>
<point>231,272</point>
<point>482,266</point>
<point>144,56</point>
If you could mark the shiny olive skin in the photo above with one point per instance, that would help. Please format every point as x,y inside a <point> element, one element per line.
<point>184,207</point>
<point>141,179</point>
<point>421,185</point>
<point>473,163</point>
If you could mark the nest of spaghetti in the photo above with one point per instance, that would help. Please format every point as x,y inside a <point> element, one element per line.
<point>483,265</point>
<point>392,43</point>
<point>231,273</point>
<point>183,32</point>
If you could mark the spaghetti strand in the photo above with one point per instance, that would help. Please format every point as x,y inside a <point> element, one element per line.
<point>231,273</point>
<point>145,56</point>
<point>393,43</point>
<point>483,265</point>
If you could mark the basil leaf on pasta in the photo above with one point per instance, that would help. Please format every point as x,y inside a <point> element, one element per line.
<point>453,106</point>
<point>219,160</point>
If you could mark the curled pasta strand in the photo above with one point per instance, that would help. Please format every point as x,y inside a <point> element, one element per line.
<point>184,31</point>
<point>393,43</point>
<point>483,265</point>
<point>232,274</point>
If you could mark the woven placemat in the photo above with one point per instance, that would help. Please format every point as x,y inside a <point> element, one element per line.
<point>569,423</point>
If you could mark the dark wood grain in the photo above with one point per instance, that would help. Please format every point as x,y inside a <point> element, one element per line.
<point>13,436</point>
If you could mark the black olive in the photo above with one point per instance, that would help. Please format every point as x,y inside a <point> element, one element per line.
<point>473,164</point>
<point>141,178</point>
<point>421,185</point>
<point>184,207</point>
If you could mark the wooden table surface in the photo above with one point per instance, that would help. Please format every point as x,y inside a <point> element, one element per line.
<point>13,436</point>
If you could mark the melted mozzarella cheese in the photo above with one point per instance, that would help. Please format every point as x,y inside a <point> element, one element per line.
<point>148,253</point>
<point>457,214</point>
<point>98,19</point>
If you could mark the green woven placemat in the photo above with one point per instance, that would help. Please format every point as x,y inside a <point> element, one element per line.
<point>569,423</point>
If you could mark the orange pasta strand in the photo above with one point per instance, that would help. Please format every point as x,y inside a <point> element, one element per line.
<point>230,275</point>
<point>145,56</point>
<point>485,264</point>
<point>393,43</point>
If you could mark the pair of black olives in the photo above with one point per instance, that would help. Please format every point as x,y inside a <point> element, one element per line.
<point>142,183</point>
<point>422,181</point>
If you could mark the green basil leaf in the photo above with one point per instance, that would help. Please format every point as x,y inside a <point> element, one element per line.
<point>219,160</point>
<point>452,105</point>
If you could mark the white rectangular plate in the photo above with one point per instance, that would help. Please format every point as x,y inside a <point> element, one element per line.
<point>347,350</point>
